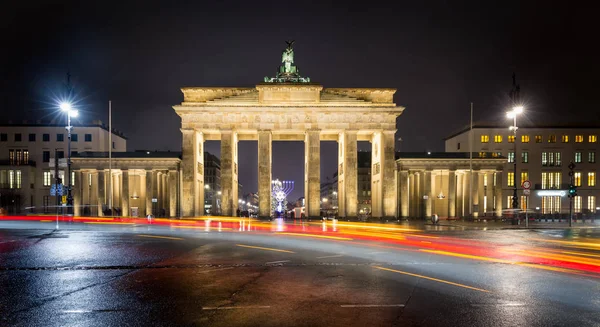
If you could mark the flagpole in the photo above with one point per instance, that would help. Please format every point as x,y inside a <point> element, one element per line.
<point>471,164</point>
<point>110,177</point>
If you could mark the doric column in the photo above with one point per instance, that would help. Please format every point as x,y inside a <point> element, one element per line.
<point>481,193</point>
<point>125,193</point>
<point>265,163</point>
<point>156,192</point>
<point>101,192</point>
<point>427,184</point>
<point>76,189</point>
<point>489,194</point>
<point>403,180</point>
<point>192,168</point>
<point>165,192</point>
<point>173,179</point>
<point>149,191</point>
<point>376,175</point>
<point>347,174</point>
<point>420,202</point>
<point>460,208</point>
<point>312,173</point>
<point>388,168</point>
<point>475,187</point>
<point>229,179</point>
<point>498,193</point>
<point>452,193</point>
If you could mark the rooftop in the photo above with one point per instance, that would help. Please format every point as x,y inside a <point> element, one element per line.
<point>54,123</point>
<point>130,154</point>
<point>446,155</point>
<point>524,125</point>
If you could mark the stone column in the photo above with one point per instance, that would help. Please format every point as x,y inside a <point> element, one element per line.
<point>173,178</point>
<point>481,193</point>
<point>475,186</point>
<point>125,193</point>
<point>376,168</point>
<point>265,163</point>
<point>403,180</point>
<point>149,191</point>
<point>388,166</point>
<point>452,194</point>
<point>76,189</point>
<point>101,192</point>
<point>498,193</point>
<point>348,174</point>
<point>229,181</point>
<point>460,195</point>
<point>312,173</point>
<point>165,192</point>
<point>427,184</point>
<point>489,194</point>
<point>192,169</point>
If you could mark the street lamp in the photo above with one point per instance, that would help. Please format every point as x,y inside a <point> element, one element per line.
<point>513,114</point>
<point>68,108</point>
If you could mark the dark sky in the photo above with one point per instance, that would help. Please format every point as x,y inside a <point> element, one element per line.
<point>439,55</point>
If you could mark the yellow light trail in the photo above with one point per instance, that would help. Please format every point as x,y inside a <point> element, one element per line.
<point>46,221</point>
<point>433,279</point>
<point>107,223</point>
<point>558,257</point>
<point>318,236</point>
<point>581,253</point>
<point>576,244</point>
<point>158,236</point>
<point>262,248</point>
<point>94,218</point>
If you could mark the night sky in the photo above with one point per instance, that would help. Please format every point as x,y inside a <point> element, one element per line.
<point>439,55</point>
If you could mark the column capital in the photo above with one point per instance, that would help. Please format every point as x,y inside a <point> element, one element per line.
<point>187,130</point>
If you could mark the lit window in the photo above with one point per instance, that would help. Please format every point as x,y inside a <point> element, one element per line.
<point>565,138</point>
<point>544,158</point>
<point>497,138</point>
<point>11,179</point>
<point>11,156</point>
<point>511,157</point>
<point>592,138</point>
<point>552,139</point>
<point>577,157</point>
<point>72,178</point>
<point>577,178</point>
<point>485,138</point>
<point>578,138</point>
<point>26,157</point>
<point>592,157</point>
<point>592,179</point>
<point>577,204</point>
<point>538,139</point>
<point>524,138</point>
<point>485,180</point>
<point>592,203</point>
<point>524,176</point>
<point>551,180</point>
<point>18,178</point>
<point>510,180</point>
<point>47,178</point>
<point>558,161</point>
<point>511,139</point>
<point>482,154</point>
<point>525,156</point>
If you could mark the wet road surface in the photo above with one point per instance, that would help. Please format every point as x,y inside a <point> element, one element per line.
<point>146,275</point>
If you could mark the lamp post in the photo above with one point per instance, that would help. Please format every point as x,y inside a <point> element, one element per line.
<point>513,114</point>
<point>66,107</point>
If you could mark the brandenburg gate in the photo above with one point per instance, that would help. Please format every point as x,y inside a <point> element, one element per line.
<point>289,107</point>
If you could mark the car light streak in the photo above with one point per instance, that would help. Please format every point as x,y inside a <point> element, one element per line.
<point>316,236</point>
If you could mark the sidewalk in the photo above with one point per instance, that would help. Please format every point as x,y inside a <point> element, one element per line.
<point>499,224</point>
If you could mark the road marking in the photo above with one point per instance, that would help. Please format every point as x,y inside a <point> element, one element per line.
<point>241,307</point>
<point>371,305</point>
<point>433,279</point>
<point>213,270</point>
<point>274,262</point>
<point>165,237</point>
<point>331,256</point>
<point>510,304</point>
<point>378,252</point>
<point>261,248</point>
<point>317,236</point>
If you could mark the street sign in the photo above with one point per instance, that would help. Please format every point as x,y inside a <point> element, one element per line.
<point>62,163</point>
<point>57,191</point>
<point>154,200</point>
<point>526,192</point>
<point>64,199</point>
<point>526,185</point>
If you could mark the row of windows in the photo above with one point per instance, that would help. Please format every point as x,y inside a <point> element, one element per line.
<point>551,204</point>
<point>18,156</point>
<point>539,139</point>
<point>48,179</point>
<point>548,158</point>
<point>552,180</point>
<point>45,137</point>
<point>10,179</point>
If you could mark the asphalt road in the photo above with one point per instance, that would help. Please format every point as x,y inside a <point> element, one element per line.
<point>147,275</point>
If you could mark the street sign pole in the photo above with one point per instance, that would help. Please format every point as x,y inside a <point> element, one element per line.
<point>526,185</point>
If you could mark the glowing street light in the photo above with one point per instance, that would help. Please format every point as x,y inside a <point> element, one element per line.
<point>516,110</point>
<point>68,108</point>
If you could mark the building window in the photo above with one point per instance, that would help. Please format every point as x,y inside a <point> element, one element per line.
<point>11,179</point>
<point>485,138</point>
<point>511,157</point>
<point>538,139</point>
<point>511,139</point>
<point>72,178</point>
<point>3,137</point>
<point>510,179</point>
<point>60,137</point>
<point>46,156</point>
<point>578,138</point>
<point>591,203</point>
<point>565,138</point>
<point>577,157</point>
<point>524,176</point>
<point>46,137</point>
<point>551,180</point>
<point>524,204</point>
<point>47,178</point>
<point>524,138</point>
<point>496,154</point>
<point>17,179</point>
<point>591,179</point>
<point>552,139</point>
<point>485,180</point>
<point>550,204</point>
<point>525,156</point>
<point>482,154</point>
<point>592,138</point>
<point>17,137</point>
<point>457,146</point>
<point>74,137</point>
<point>88,137</point>
<point>113,144</point>
<point>592,157</point>
<point>497,138</point>
<point>32,137</point>
<point>60,154</point>
<point>558,159</point>
<point>11,157</point>
<point>25,157</point>
<point>577,204</point>
<point>577,178</point>
<point>544,158</point>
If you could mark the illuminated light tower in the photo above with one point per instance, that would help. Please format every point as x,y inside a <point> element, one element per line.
<point>67,107</point>
<point>280,191</point>
<point>517,109</point>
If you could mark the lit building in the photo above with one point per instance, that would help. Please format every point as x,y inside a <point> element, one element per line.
<point>28,149</point>
<point>543,155</point>
<point>364,182</point>
<point>212,184</point>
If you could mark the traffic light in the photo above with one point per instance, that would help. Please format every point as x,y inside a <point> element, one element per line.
<point>572,191</point>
